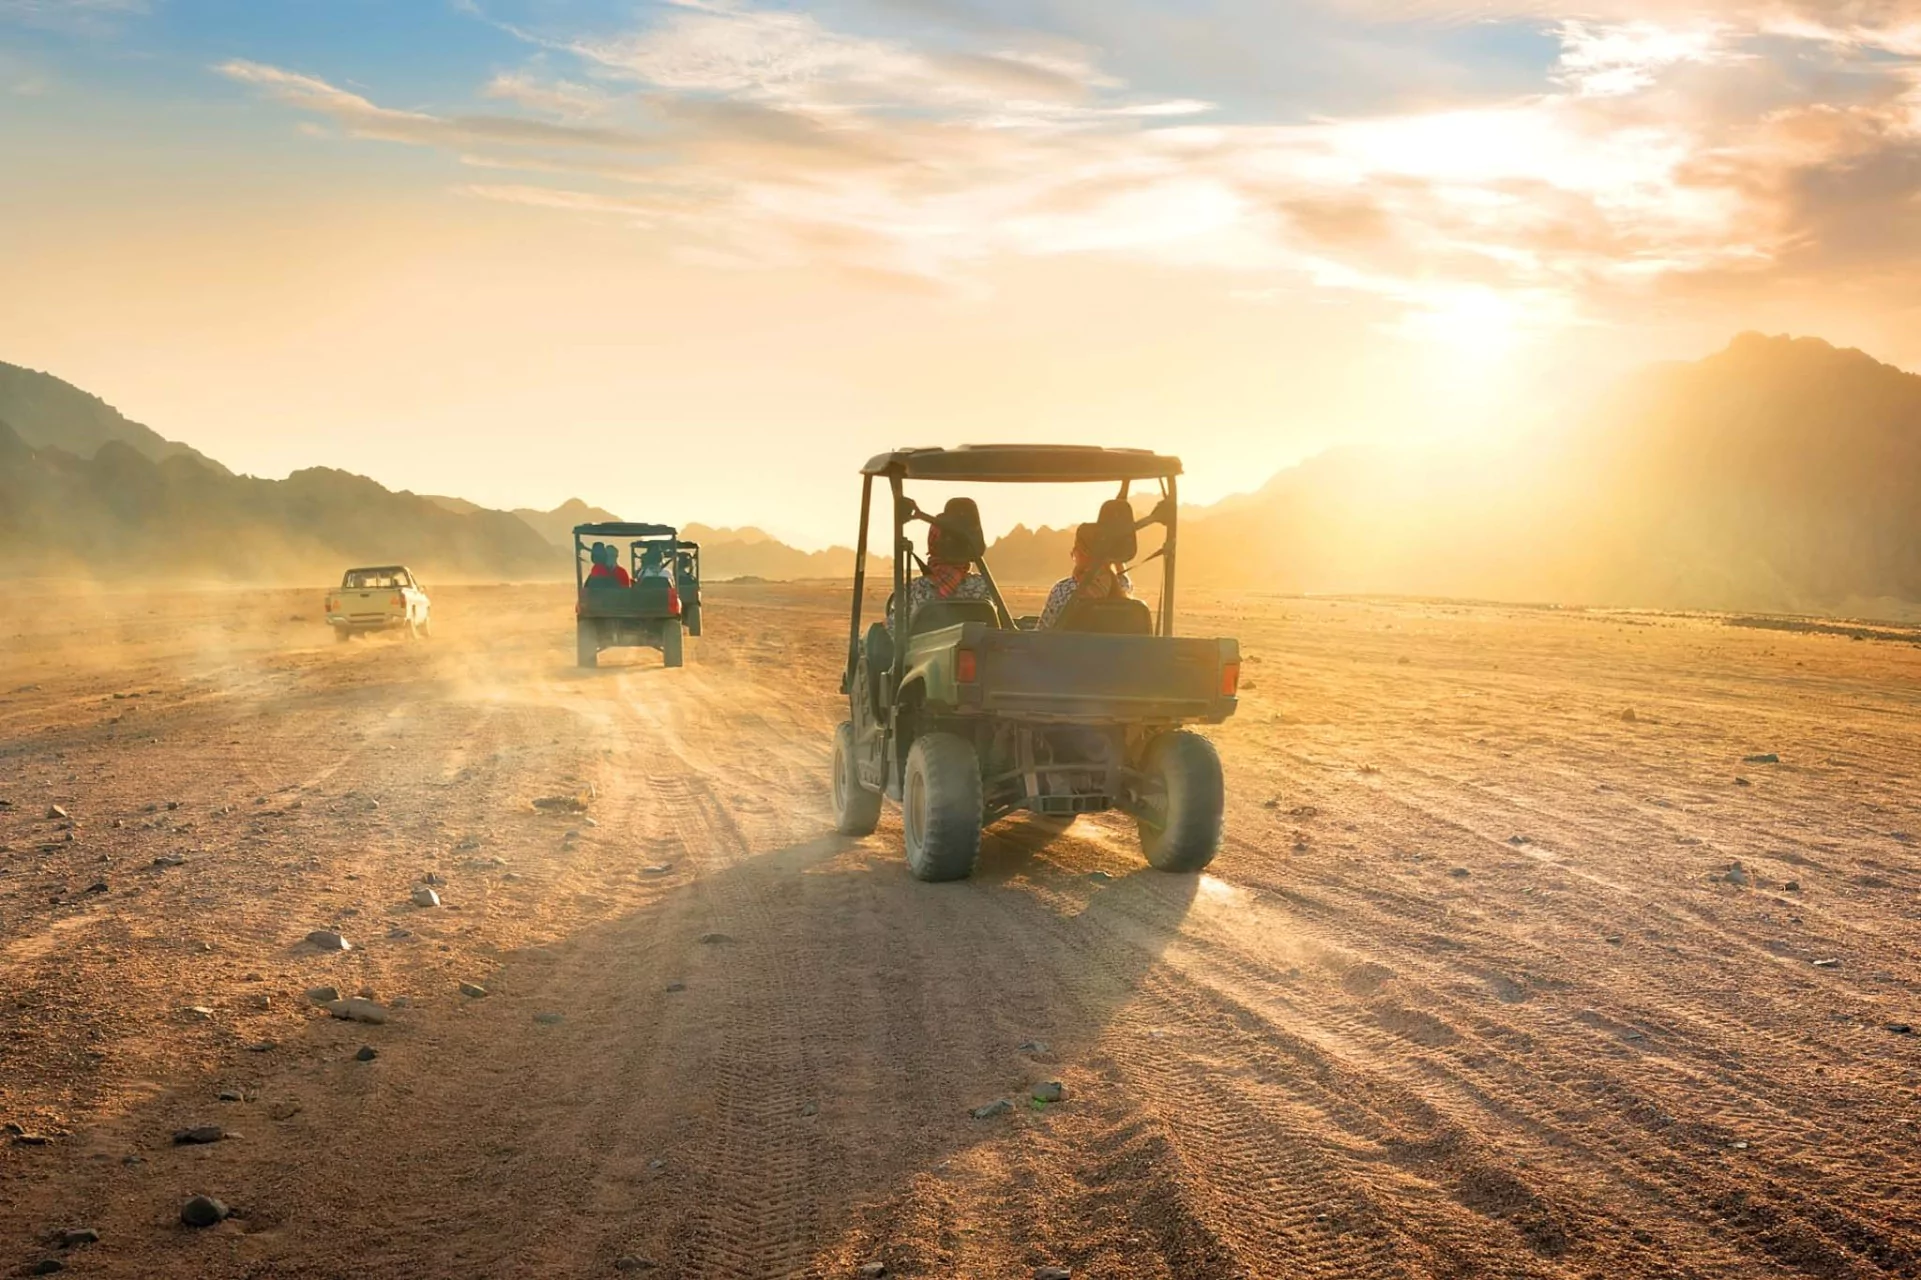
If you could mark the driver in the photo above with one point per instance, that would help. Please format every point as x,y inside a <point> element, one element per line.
<point>1094,577</point>
<point>953,543</point>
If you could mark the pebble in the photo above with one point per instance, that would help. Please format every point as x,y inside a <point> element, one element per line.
<point>55,811</point>
<point>657,868</point>
<point>998,1107</point>
<point>1792,886</point>
<point>232,1095</point>
<point>199,1134</point>
<point>198,1012</point>
<point>328,940</point>
<point>359,1009</point>
<point>473,989</point>
<point>632,1262</point>
<point>367,1053</point>
<point>1036,1047</point>
<point>547,1019</point>
<point>1901,1028</point>
<point>714,939</point>
<point>676,986</point>
<point>1742,782</point>
<point>1827,964</point>
<point>1738,875</point>
<point>284,1110</point>
<point>1047,1091</point>
<point>323,995</point>
<point>1099,875</point>
<point>1460,873</point>
<point>872,1270</point>
<point>1061,1273</point>
<point>98,886</point>
<point>203,1211</point>
<point>47,1267</point>
<point>1766,757</point>
<point>424,897</point>
<point>169,860</point>
<point>431,878</point>
<point>78,1235</point>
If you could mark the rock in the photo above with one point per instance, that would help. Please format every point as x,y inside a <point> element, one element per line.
<point>263,1046</point>
<point>1742,782</point>
<point>359,1009</point>
<point>286,1109</point>
<point>260,1000</point>
<point>98,886</point>
<point>715,939</point>
<point>657,868</point>
<point>425,897</point>
<point>1628,716</point>
<point>198,1012</point>
<point>47,1267</point>
<point>1827,964</point>
<point>1901,1028</point>
<point>810,1109</point>
<point>55,811</point>
<point>169,860</point>
<point>1614,939</point>
<point>401,1002</point>
<point>676,986</point>
<point>1737,875</point>
<point>872,1270</point>
<point>998,1107</point>
<point>548,1019</point>
<point>1270,803</point>
<point>1792,886</point>
<point>76,1236</point>
<point>232,1095</point>
<point>328,940</point>
<point>1460,873</point>
<point>1098,875</point>
<point>23,1138</point>
<point>1519,840</point>
<point>1767,757</point>
<point>1062,1273</point>
<point>203,1211</point>
<point>367,1053</point>
<point>1038,1048</point>
<point>199,1135</point>
<point>323,995</point>
<point>1047,1091</point>
<point>632,1262</point>
<point>431,878</point>
<point>560,804</point>
<point>473,989</point>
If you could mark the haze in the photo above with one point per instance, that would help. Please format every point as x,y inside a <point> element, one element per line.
<point>699,259</point>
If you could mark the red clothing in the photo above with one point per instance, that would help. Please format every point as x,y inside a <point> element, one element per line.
<point>615,572</point>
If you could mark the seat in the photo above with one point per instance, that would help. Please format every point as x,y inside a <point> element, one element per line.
<point>960,522</point>
<point>1107,617</point>
<point>653,595</point>
<point>936,614</point>
<point>877,657</point>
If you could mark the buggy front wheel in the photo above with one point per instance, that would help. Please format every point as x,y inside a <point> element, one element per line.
<point>856,809</point>
<point>941,807</point>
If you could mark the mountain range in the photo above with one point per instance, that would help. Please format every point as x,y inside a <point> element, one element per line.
<point>1779,474</point>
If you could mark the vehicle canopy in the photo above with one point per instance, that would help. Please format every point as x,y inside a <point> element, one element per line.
<point>377,578</point>
<point>1024,464</point>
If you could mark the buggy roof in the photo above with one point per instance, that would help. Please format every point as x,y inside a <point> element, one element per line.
<point>621,529</point>
<point>1023,463</point>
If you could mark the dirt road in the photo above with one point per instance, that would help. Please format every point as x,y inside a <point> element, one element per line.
<point>1469,992</point>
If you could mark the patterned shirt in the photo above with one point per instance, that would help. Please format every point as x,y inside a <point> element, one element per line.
<point>921,591</point>
<point>1063,591</point>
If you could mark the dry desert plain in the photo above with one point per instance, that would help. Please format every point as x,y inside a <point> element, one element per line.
<point>1471,990</point>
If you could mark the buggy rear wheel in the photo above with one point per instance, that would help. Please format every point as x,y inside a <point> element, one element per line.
<point>670,644</point>
<point>856,809</point>
<point>1179,815</point>
<point>941,807</point>
<point>586,643</point>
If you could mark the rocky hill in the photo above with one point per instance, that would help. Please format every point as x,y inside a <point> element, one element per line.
<point>48,413</point>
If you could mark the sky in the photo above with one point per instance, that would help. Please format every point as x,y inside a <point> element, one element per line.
<point>698,259</point>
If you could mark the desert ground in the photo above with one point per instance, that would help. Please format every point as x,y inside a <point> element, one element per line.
<point>1474,988</point>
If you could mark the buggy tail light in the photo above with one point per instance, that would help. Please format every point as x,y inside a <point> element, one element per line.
<point>673,599</point>
<point>965,666</point>
<point>1230,679</point>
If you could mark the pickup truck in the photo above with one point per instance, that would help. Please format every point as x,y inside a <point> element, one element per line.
<point>379,598</point>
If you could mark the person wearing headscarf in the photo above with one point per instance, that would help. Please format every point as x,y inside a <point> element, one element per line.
<point>1093,578</point>
<point>952,546</point>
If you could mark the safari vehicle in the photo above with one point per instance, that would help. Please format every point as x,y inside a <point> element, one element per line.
<point>971,714</point>
<point>379,598</point>
<point>658,605</point>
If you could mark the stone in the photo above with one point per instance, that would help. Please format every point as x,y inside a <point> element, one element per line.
<point>657,868</point>
<point>98,886</point>
<point>987,1111</point>
<point>676,986</point>
<point>169,860</point>
<point>1792,886</point>
<point>1047,1091</point>
<point>359,1009</point>
<point>367,1053</point>
<point>54,811</point>
<point>425,897</point>
<point>1099,875</point>
<point>632,1262</point>
<point>1460,873</point>
<point>1766,757</point>
<point>431,878</point>
<point>328,940</point>
<point>285,1109</point>
<point>1901,1028</point>
<point>1827,964</point>
<point>1055,1273</point>
<point>473,989</point>
<point>548,1019</point>
<point>47,1267</point>
<point>1038,1048</point>
<point>715,939</point>
<point>323,995</point>
<point>72,1236</point>
<point>198,1012</point>
<point>199,1135</point>
<point>232,1095</point>
<point>1738,875</point>
<point>203,1211</point>
<point>872,1270</point>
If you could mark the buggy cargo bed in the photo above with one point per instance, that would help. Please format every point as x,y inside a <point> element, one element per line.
<point>1067,676</point>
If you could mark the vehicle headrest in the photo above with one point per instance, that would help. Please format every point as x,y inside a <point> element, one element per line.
<point>1114,539</point>
<point>959,523</point>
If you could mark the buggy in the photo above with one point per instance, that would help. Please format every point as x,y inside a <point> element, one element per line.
<point>658,605</point>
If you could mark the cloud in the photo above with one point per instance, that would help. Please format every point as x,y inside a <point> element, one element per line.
<point>1654,153</point>
<point>77,16</point>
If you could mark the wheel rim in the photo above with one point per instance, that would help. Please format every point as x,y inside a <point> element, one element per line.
<point>914,811</point>
<point>840,780</point>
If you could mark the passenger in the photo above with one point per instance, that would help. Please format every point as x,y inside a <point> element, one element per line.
<point>954,542</point>
<point>1093,578</point>
<point>653,564</point>
<point>607,567</point>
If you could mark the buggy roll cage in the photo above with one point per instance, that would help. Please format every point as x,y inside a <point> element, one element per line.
<point>637,535</point>
<point>1004,464</point>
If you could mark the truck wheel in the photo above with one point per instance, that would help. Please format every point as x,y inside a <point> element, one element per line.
<point>1180,816</point>
<point>342,635</point>
<point>856,809</point>
<point>941,807</point>
<point>586,644</point>
<point>670,647</point>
